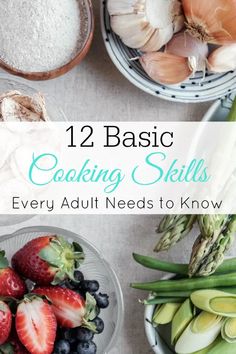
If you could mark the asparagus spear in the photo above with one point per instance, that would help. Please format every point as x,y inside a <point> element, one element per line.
<point>209,223</point>
<point>219,248</point>
<point>177,232</point>
<point>170,221</point>
<point>208,252</point>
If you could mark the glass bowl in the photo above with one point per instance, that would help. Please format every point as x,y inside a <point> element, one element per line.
<point>95,267</point>
<point>55,114</point>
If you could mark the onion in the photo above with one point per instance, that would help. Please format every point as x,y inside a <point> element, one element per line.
<point>182,44</point>
<point>212,21</point>
<point>223,59</point>
<point>166,68</point>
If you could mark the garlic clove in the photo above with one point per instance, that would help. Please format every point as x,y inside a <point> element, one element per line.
<point>211,21</point>
<point>182,44</point>
<point>139,31</point>
<point>161,13</point>
<point>223,59</point>
<point>158,39</point>
<point>166,68</point>
<point>125,7</point>
<point>145,24</point>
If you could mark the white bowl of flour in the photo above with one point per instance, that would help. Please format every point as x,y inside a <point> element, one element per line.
<point>42,39</point>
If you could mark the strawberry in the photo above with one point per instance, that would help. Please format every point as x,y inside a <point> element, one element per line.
<point>10,282</point>
<point>48,260</point>
<point>36,325</point>
<point>70,308</point>
<point>5,322</point>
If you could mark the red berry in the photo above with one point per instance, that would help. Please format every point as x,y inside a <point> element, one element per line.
<point>68,306</point>
<point>5,322</point>
<point>10,282</point>
<point>47,259</point>
<point>36,325</point>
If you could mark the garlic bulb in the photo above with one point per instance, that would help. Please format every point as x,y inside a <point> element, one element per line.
<point>211,21</point>
<point>167,69</point>
<point>145,24</point>
<point>182,44</point>
<point>223,59</point>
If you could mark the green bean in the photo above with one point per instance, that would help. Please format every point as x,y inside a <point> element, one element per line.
<point>185,294</point>
<point>213,281</point>
<point>154,263</point>
<point>229,265</point>
<point>163,300</point>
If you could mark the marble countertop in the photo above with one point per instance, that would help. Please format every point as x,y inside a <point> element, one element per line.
<point>95,90</point>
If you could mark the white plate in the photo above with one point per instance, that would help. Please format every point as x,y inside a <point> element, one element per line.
<point>197,89</point>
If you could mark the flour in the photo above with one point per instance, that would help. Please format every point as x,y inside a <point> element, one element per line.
<point>40,35</point>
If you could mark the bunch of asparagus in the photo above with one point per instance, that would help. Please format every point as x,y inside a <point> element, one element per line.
<point>216,234</point>
<point>216,237</point>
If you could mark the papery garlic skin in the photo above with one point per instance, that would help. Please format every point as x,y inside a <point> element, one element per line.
<point>145,24</point>
<point>222,59</point>
<point>183,44</point>
<point>166,68</point>
<point>212,21</point>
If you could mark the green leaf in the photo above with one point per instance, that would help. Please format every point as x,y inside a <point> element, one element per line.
<point>7,348</point>
<point>62,257</point>
<point>91,307</point>
<point>3,260</point>
<point>77,247</point>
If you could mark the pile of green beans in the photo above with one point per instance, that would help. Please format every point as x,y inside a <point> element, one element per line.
<point>173,290</point>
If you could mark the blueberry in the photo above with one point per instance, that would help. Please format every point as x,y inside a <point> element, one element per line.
<point>84,334</point>
<point>69,335</point>
<point>102,300</point>
<point>78,275</point>
<point>99,324</point>
<point>90,286</point>
<point>87,348</point>
<point>62,347</point>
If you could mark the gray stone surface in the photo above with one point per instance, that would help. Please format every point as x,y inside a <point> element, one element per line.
<point>95,90</point>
